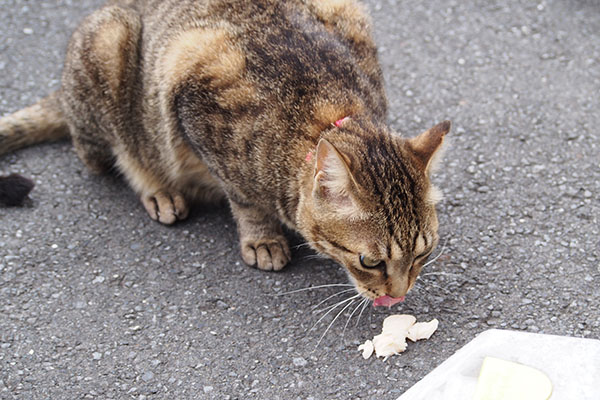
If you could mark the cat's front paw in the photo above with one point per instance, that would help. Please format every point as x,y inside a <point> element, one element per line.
<point>166,206</point>
<point>268,254</point>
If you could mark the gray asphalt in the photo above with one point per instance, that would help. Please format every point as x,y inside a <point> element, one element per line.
<point>98,301</point>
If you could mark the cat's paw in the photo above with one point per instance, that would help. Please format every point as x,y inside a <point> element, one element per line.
<point>166,207</point>
<point>270,254</point>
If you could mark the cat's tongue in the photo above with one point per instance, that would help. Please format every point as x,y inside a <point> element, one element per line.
<point>387,301</point>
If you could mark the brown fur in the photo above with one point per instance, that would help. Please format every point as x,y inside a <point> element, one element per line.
<point>38,123</point>
<point>202,99</point>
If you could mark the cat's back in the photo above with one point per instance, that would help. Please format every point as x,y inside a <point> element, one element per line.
<point>292,52</point>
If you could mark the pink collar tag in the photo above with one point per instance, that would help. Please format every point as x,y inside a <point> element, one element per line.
<point>309,157</point>
<point>340,121</point>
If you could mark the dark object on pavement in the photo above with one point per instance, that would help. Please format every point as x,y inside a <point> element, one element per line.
<point>14,188</point>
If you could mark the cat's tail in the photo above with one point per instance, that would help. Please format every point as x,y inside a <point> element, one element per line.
<point>41,122</point>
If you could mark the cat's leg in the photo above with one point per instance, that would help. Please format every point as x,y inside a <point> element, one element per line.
<point>261,238</point>
<point>93,151</point>
<point>163,200</point>
<point>99,94</point>
<point>97,83</point>
<point>166,206</point>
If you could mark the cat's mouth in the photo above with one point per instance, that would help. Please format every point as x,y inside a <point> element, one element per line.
<point>387,301</point>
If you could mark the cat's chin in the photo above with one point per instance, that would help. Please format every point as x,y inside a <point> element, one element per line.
<point>387,301</point>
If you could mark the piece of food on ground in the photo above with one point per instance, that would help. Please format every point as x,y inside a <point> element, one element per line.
<point>367,349</point>
<point>392,340</point>
<point>422,330</point>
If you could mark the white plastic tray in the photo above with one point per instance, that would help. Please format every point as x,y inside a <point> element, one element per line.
<point>572,364</point>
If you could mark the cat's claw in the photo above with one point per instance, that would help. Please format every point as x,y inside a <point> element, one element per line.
<point>268,255</point>
<point>166,207</point>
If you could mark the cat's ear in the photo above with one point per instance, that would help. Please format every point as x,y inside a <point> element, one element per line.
<point>426,147</point>
<point>333,181</point>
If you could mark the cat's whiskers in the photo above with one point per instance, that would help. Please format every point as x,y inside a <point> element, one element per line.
<point>360,303</point>
<point>314,287</point>
<point>420,279</point>
<point>440,273</point>
<point>331,308</point>
<point>431,284</point>
<point>334,319</point>
<point>314,257</point>
<point>308,244</point>
<point>301,246</point>
<point>438,256</point>
<point>332,296</point>
<point>365,303</point>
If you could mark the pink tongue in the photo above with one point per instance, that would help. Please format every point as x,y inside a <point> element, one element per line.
<point>387,301</point>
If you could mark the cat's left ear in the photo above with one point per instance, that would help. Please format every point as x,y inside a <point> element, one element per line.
<point>333,181</point>
<point>426,147</point>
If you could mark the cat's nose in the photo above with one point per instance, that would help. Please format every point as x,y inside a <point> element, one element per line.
<point>397,293</point>
<point>398,288</point>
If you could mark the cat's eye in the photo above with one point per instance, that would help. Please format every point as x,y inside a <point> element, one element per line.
<point>369,262</point>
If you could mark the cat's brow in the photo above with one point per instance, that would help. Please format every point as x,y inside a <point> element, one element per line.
<point>381,248</point>
<point>420,244</point>
<point>394,250</point>
<point>339,246</point>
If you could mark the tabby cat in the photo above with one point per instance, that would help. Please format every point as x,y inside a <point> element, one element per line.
<point>277,105</point>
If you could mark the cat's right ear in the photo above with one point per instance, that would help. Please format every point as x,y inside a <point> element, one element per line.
<point>426,147</point>
<point>333,181</point>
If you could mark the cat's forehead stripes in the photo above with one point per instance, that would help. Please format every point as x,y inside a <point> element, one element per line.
<point>381,249</point>
<point>394,250</point>
<point>421,244</point>
<point>387,175</point>
<point>399,201</point>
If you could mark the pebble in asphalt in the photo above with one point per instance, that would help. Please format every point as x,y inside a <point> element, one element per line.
<point>98,301</point>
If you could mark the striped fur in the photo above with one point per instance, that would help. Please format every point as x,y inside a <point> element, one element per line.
<point>41,122</point>
<point>201,99</point>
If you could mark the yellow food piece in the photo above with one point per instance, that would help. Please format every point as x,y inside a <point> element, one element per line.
<point>506,380</point>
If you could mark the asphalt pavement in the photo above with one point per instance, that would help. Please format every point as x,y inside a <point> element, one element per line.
<point>99,301</point>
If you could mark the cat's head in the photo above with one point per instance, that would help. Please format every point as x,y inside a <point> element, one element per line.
<point>370,204</point>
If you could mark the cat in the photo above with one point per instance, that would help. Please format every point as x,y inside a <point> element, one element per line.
<point>277,106</point>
